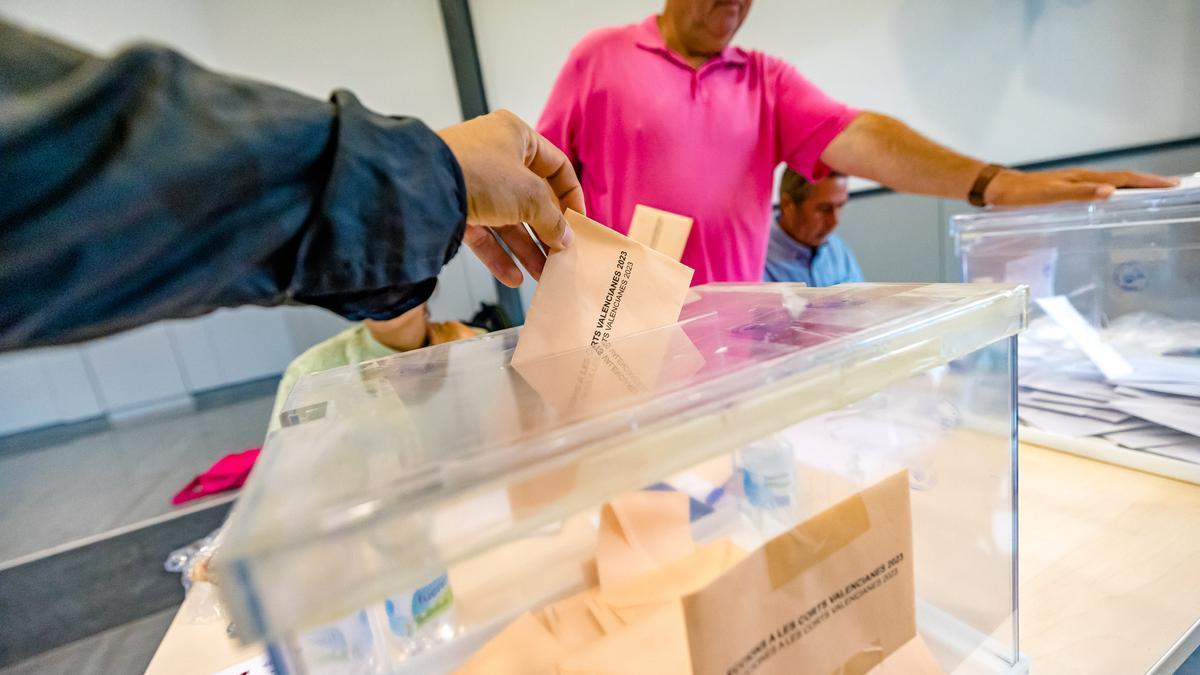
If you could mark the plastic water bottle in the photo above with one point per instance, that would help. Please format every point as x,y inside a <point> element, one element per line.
<point>343,646</point>
<point>768,469</point>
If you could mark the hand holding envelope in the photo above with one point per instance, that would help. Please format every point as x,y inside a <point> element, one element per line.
<point>512,175</point>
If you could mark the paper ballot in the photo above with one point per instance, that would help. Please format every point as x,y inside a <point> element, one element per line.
<point>662,231</point>
<point>1107,359</point>
<point>1187,185</point>
<point>605,286</point>
<point>1137,387</point>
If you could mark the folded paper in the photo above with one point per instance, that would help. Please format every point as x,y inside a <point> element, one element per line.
<point>576,621</point>
<point>639,533</point>
<point>657,645</point>
<point>662,231</point>
<point>524,647</point>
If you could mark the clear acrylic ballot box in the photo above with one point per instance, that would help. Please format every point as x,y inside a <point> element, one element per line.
<point>412,509</point>
<point>1130,269</point>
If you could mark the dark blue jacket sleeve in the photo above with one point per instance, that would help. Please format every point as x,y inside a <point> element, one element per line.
<point>145,187</point>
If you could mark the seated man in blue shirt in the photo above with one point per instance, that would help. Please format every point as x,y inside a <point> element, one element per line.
<point>803,247</point>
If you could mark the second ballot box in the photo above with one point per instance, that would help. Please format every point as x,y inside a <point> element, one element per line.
<point>1110,365</point>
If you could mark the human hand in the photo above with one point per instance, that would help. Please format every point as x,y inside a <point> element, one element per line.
<point>1020,188</point>
<point>513,175</point>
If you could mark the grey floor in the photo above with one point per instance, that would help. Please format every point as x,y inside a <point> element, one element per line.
<point>59,492</point>
<point>59,486</point>
<point>125,649</point>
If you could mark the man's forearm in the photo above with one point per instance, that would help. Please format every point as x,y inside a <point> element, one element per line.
<point>888,151</point>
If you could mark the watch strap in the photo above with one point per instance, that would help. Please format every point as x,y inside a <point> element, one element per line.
<point>986,174</point>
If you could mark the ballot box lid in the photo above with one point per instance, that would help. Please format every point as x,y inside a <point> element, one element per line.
<point>1127,208</point>
<point>1133,254</point>
<point>385,472</point>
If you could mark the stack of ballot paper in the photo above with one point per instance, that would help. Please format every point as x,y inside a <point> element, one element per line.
<point>834,594</point>
<point>1135,383</point>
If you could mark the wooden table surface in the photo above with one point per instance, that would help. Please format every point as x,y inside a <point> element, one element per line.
<point>1109,564</point>
<point>1109,567</point>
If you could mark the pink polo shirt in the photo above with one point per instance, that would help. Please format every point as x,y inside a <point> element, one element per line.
<point>644,127</point>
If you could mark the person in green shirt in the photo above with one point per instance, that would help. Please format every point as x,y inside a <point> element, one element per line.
<point>367,341</point>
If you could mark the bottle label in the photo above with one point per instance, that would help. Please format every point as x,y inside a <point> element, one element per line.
<point>347,639</point>
<point>431,600</point>
<point>408,612</point>
<point>767,491</point>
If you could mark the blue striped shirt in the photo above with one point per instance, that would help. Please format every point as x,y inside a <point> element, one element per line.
<point>829,264</point>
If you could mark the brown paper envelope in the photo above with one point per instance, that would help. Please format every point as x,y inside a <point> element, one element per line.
<point>609,621</point>
<point>571,621</point>
<point>524,647</point>
<point>655,521</point>
<point>543,488</point>
<point>656,645</point>
<point>833,595</point>
<point>591,573</point>
<point>674,580</point>
<point>611,375</point>
<point>616,558</point>
<point>635,613</point>
<point>542,619</point>
<point>662,231</point>
<point>639,532</point>
<point>913,658</point>
<point>605,286</point>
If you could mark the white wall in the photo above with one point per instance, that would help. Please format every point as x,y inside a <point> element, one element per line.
<point>105,26</point>
<point>1009,80</point>
<point>391,53</point>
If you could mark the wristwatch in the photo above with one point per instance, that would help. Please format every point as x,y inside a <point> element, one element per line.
<point>986,174</point>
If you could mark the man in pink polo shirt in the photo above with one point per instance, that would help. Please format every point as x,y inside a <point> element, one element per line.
<point>666,113</point>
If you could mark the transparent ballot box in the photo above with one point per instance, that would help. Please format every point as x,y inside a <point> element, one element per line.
<point>685,499</point>
<point>1110,365</point>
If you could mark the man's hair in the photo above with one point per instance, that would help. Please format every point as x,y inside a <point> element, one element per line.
<point>798,187</point>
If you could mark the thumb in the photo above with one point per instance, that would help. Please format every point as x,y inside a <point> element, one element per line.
<point>539,208</point>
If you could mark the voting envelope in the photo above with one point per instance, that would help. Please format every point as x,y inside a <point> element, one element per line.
<point>835,594</point>
<point>662,231</point>
<point>603,287</point>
